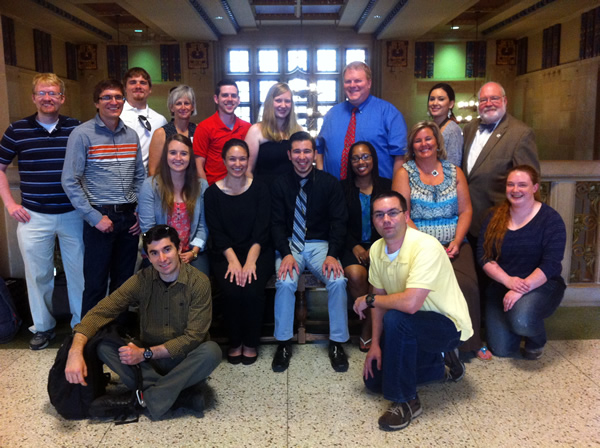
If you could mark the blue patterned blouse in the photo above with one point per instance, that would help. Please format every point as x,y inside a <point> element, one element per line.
<point>434,208</point>
<point>365,208</point>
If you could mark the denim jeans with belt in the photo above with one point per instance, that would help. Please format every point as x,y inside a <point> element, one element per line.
<point>108,255</point>
<point>525,319</point>
<point>411,353</point>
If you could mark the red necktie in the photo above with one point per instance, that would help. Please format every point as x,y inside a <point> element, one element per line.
<point>348,142</point>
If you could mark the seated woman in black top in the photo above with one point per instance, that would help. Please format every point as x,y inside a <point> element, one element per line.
<point>242,260</point>
<point>362,184</point>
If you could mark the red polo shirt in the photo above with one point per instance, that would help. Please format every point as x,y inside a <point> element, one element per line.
<point>209,139</point>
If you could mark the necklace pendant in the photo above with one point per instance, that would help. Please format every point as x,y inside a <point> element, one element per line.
<point>435,173</point>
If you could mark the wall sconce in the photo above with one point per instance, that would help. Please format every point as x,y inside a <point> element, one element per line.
<point>467,107</point>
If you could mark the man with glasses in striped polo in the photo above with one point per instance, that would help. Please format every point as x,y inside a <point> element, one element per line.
<point>102,176</point>
<point>39,142</point>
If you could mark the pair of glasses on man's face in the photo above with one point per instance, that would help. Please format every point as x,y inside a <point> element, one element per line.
<point>51,94</point>
<point>108,98</point>
<point>393,213</point>
<point>144,121</point>
<point>491,100</point>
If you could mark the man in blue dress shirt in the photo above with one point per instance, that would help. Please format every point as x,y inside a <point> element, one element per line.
<point>377,122</point>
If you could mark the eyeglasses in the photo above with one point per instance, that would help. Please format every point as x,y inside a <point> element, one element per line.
<point>393,213</point>
<point>111,97</point>
<point>491,99</point>
<point>144,122</point>
<point>364,158</point>
<point>51,94</point>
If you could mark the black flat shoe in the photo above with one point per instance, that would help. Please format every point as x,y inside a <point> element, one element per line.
<point>247,360</point>
<point>234,359</point>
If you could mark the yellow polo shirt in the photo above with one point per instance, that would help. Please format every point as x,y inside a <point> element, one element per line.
<point>422,263</point>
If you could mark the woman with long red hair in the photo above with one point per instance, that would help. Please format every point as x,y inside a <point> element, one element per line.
<point>521,247</point>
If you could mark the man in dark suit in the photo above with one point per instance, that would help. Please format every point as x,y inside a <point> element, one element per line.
<point>308,224</point>
<point>494,144</point>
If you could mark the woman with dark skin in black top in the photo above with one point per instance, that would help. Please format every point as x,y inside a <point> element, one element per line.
<point>362,184</point>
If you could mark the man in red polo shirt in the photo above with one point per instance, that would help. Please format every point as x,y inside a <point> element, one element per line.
<point>212,133</point>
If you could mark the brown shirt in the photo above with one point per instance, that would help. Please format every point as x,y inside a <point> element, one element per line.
<point>177,316</point>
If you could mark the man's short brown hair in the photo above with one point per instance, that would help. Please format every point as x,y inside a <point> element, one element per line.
<point>107,84</point>
<point>137,71</point>
<point>357,65</point>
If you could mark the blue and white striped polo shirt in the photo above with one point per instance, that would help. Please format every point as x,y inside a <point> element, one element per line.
<point>41,155</point>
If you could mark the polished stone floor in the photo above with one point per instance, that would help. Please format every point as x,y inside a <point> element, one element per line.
<point>502,403</point>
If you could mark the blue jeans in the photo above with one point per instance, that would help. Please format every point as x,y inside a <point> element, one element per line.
<point>36,242</point>
<point>312,257</point>
<point>108,255</point>
<point>524,319</point>
<point>411,353</point>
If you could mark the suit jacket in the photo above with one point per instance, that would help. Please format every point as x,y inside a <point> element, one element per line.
<point>512,143</point>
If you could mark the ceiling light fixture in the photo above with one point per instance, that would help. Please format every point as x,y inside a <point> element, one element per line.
<point>455,27</point>
<point>377,17</point>
<point>138,31</point>
<point>219,18</point>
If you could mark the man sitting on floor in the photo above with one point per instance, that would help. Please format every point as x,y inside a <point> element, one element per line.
<point>175,309</point>
<point>418,307</point>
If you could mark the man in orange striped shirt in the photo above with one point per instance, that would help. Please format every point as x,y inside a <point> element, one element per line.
<point>102,174</point>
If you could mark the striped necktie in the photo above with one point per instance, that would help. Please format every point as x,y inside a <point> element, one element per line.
<point>348,142</point>
<point>299,231</point>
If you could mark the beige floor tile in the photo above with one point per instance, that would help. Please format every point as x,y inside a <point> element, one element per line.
<point>533,417</point>
<point>334,409</point>
<point>9,356</point>
<point>505,402</point>
<point>583,354</point>
<point>27,419</point>
<point>246,408</point>
<point>504,374</point>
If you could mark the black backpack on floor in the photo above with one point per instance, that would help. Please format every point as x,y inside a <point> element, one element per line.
<point>72,401</point>
<point>9,319</point>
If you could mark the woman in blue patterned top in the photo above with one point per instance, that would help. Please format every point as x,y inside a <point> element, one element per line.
<point>439,205</point>
<point>521,247</point>
<point>362,184</point>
